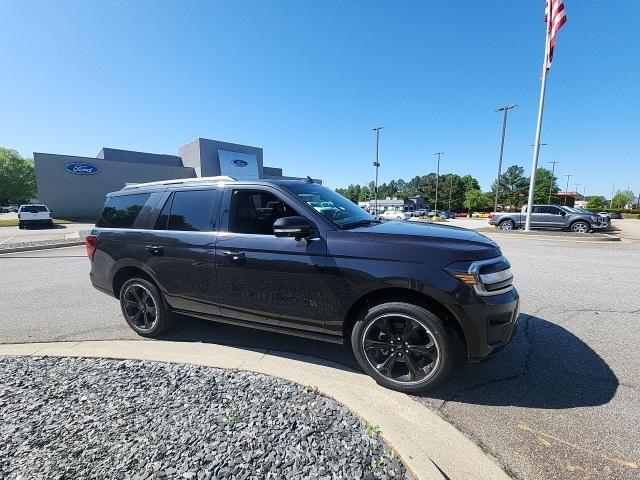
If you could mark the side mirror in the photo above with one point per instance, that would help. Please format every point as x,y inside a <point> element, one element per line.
<point>296,227</point>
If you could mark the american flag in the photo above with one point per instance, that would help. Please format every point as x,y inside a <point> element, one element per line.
<point>555,17</point>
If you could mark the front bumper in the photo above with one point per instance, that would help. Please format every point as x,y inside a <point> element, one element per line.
<point>489,325</point>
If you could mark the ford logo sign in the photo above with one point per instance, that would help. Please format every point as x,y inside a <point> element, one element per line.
<point>240,163</point>
<point>81,168</point>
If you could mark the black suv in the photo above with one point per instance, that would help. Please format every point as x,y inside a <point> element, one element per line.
<point>295,257</point>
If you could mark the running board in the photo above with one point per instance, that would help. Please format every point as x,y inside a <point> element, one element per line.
<point>323,337</point>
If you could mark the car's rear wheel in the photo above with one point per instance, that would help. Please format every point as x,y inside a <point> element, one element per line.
<point>403,346</point>
<point>20,225</point>
<point>143,307</point>
<point>580,227</point>
<point>507,225</point>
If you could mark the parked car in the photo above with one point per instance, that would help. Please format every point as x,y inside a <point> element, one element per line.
<point>462,214</point>
<point>550,216</point>
<point>436,213</point>
<point>29,215</point>
<point>256,254</point>
<point>395,215</point>
<point>449,214</point>
<point>615,215</point>
<point>4,209</point>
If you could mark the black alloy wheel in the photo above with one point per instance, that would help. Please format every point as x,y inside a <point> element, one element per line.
<point>404,346</point>
<point>401,348</point>
<point>144,308</point>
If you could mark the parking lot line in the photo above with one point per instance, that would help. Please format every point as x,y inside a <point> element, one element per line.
<point>7,239</point>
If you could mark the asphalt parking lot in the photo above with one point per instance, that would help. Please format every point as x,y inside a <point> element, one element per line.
<point>562,401</point>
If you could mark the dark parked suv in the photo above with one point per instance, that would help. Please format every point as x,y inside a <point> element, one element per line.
<point>295,257</point>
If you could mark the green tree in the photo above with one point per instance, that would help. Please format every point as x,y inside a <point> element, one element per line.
<point>596,202</point>
<point>623,198</point>
<point>17,178</point>
<point>545,182</point>
<point>475,199</point>
<point>513,187</point>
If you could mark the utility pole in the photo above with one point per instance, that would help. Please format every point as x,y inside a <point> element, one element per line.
<point>450,190</point>
<point>437,178</point>
<point>377,165</point>
<point>611,201</point>
<point>504,109</point>
<point>553,169</point>
<point>577,185</point>
<point>566,190</point>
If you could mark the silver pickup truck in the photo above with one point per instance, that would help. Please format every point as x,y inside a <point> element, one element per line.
<point>551,216</point>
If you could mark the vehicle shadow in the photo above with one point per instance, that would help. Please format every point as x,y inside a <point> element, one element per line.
<point>189,329</point>
<point>545,366</point>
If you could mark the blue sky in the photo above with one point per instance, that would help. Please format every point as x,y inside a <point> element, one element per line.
<point>307,81</point>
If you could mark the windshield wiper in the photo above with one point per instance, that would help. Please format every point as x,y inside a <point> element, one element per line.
<point>358,223</point>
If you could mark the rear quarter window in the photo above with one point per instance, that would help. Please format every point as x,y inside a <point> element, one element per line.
<point>122,211</point>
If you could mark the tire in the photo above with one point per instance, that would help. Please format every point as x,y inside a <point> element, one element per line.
<point>580,227</point>
<point>133,297</point>
<point>507,225</point>
<point>432,352</point>
<point>50,224</point>
<point>21,225</point>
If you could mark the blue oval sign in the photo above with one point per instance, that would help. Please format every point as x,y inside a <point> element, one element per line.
<point>80,168</point>
<point>240,163</point>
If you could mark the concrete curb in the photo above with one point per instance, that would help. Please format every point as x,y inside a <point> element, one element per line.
<point>29,248</point>
<point>587,238</point>
<point>429,446</point>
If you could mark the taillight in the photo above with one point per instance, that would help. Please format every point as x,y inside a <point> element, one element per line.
<point>91,243</point>
<point>18,216</point>
<point>491,215</point>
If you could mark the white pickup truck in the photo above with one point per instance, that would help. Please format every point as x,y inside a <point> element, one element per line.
<point>34,215</point>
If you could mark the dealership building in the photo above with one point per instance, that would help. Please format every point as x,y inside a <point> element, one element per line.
<point>75,187</point>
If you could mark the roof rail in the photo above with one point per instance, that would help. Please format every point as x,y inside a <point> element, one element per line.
<point>178,181</point>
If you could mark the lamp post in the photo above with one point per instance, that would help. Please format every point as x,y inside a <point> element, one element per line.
<point>504,109</point>
<point>437,178</point>
<point>566,190</point>
<point>377,165</point>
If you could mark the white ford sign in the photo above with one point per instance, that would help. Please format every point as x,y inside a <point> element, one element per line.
<point>241,166</point>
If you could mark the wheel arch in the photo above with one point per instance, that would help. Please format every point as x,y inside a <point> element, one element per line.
<point>399,294</point>
<point>126,272</point>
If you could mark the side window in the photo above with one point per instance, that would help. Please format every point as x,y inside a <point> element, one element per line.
<point>255,211</point>
<point>189,210</point>
<point>122,211</point>
<point>554,210</point>
<point>536,209</point>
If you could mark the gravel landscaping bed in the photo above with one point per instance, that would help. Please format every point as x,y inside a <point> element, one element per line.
<point>85,418</point>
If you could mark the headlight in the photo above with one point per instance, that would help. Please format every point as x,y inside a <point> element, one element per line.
<point>486,277</point>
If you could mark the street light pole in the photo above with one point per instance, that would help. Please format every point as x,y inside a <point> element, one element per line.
<point>377,165</point>
<point>566,190</point>
<point>437,178</point>
<point>504,109</point>
<point>553,169</point>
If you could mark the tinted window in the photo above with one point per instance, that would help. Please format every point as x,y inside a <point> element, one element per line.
<point>122,211</point>
<point>187,211</point>
<point>255,211</point>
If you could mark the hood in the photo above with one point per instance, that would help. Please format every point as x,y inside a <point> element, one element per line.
<point>434,237</point>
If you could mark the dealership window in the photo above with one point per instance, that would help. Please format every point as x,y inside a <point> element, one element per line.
<point>189,210</point>
<point>255,211</point>
<point>122,211</point>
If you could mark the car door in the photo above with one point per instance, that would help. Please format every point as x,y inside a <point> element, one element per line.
<point>182,249</point>
<point>537,217</point>
<point>264,279</point>
<point>554,217</point>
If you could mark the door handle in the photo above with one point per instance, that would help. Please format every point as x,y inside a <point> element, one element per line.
<point>154,249</point>
<point>234,256</point>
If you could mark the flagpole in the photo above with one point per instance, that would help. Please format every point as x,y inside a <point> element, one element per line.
<point>536,143</point>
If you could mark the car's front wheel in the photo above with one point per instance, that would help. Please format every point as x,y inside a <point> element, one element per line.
<point>403,346</point>
<point>143,307</point>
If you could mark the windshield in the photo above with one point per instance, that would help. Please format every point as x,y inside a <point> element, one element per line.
<point>572,210</point>
<point>343,213</point>
<point>33,208</point>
